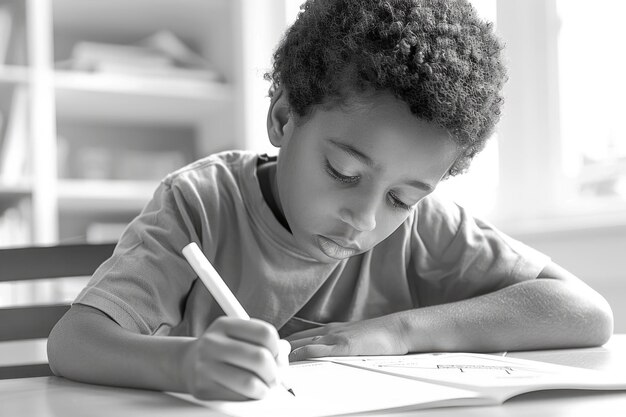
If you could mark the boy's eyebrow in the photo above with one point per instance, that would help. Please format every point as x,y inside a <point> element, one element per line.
<point>352,151</point>
<point>421,185</point>
<point>357,154</point>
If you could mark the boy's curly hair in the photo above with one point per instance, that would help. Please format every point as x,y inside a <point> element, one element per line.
<point>438,56</point>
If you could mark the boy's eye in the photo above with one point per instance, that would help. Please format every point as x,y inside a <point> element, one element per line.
<point>397,203</point>
<point>339,177</point>
<point>394,200</point>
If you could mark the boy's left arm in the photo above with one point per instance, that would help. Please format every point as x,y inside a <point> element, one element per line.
<point>556,310</point>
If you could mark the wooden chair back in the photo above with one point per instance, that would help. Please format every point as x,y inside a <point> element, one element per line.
<point>36,321</point>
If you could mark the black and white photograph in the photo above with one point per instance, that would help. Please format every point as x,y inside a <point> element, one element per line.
<point>311,208</point>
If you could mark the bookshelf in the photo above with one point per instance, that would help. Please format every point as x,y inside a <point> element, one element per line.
<point>94,136</point>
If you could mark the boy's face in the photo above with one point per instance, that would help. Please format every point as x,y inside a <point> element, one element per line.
<point>347,178</point>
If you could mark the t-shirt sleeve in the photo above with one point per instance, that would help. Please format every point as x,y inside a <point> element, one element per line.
<point>144,284</point>
<point>455,256</point>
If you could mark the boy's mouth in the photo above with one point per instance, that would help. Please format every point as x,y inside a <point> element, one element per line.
<point>335,250</point>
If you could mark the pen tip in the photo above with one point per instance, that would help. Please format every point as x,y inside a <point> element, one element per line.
<point>291,392</point>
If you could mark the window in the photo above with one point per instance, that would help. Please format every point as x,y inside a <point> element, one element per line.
<point>593,101</point>
<point>561,150</point>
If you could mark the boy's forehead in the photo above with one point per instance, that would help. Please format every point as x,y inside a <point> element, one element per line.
<point>382,115</point>
<point>388,137</point>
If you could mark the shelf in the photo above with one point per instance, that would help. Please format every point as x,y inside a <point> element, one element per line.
<point>112,97</point>
<point>71,111</point>
<point>15,191</point>
<point>109,196</point>
<point>12,194</point>
<point>13,74</point>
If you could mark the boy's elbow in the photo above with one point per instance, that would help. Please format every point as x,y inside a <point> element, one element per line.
<point>62,346</point>
<point>597,317</point>
<point>605,322</point>
<point>589,316</point>
<point>56,348</point>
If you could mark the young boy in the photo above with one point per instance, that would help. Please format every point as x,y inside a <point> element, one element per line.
<point>336,244</point>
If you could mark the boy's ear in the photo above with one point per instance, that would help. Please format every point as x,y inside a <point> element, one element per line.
<point>278,116</point>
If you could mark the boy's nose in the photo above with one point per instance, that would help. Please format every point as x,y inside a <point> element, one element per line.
<point>361,216</point>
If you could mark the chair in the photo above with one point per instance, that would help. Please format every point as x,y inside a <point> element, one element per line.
<point>19,323</point>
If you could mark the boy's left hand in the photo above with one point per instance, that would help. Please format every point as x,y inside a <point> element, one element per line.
<point>368,337</point>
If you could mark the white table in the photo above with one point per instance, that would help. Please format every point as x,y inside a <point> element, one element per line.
<point>58,397</point>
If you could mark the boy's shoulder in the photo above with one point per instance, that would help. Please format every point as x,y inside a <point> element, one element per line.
<point>435,210</point>
<point>437,221</point>
<point>217,167</point>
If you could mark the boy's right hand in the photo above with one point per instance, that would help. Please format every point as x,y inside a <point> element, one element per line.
<point>233,360</point>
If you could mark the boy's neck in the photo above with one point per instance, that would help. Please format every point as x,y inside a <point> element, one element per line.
<point>266,173</point>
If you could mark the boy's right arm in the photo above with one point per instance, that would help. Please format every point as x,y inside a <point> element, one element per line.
<point>233,360</point>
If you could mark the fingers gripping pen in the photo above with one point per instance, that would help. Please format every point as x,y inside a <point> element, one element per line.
<point>226,299</point>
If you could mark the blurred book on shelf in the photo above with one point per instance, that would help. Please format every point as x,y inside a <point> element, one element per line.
<point>15,146</point>
<point>107,163</point>
<point>94,163</point>
<point>162,54</point>
<point>3,145</point>
<point>104,232</point>
<point>15,225</point>
<point>91,56</point>
<point>147,165</point>
<point>6,24</point>
<point>63,157</point>
<point>12,33</point>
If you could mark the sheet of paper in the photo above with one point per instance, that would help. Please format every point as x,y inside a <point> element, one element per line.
<point>474,369</point>
<point>496,376</point>
<point>325,389</point>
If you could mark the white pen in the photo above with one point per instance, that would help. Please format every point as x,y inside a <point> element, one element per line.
<point>222,294</point>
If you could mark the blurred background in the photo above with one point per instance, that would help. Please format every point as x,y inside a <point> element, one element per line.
<point>99,99</point>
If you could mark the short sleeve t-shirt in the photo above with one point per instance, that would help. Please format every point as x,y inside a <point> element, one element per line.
<point>439,254</point>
